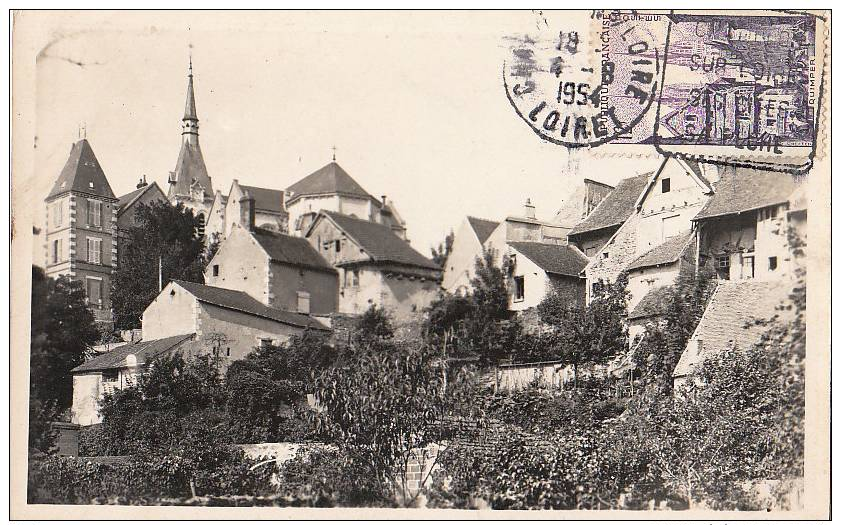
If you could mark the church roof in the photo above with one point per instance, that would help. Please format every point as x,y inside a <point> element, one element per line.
<point>379,241</point>
<point>558,259</point>
<point>242,302</point>
<point>266,199</point>
<point>482,227</point>
<point>144,351</point>
<point>82,173</point>
<point>295,251</point>
<point>331,179</point>
<point>190,169</point>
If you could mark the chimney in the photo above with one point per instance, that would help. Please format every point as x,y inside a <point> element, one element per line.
<point>529,207</point>
<point>246,211</point>
<point>142,183</point>
<point>383,196</point>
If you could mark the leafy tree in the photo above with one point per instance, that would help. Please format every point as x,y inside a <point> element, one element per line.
<point>266,390</point>
<point>490,287</point>
<point>381,404</point>
<point>590,334</point>
<point>440,254</point>
<point>375,324</point>
<point>162,234</point>
<point>63,329</point>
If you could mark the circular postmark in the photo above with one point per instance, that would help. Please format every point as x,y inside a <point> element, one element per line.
<point>586,88</point>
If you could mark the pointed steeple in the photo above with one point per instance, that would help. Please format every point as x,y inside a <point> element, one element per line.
<point>190,106</point>
<point>190,120</point>
<point>190,175</point>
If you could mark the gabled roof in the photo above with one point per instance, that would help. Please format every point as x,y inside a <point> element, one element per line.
<point>734,316</point>
<point>692,168</point>
<point>266,199</point>
<point>331,179</point>
<point>615,208</point>
<point>654,303</point>
<point>558,259</point>
<point>295,251</point>
<point>127,200</point>
<point>82,173</point>
<point>483,227</point>
<point>242,302</point>
<point>666,253</point>
<point>379,241</point>
<point>144,351</point>
<point>746,190</point>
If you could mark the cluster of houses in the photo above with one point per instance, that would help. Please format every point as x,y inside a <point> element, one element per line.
<point>324,249</point>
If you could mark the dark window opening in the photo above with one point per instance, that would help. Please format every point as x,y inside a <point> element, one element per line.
<point>772,263</point>
<point>338,246</point>
<point>519,288</point>
<point>109,376</point>
<point>665,185</point>
<point>215,270</point>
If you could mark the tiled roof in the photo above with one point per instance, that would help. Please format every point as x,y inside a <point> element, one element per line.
<point>128,199</point>
<point>190,168</point>
<point>242,302</point>
<point>746,190</point>
<point>379,242</point>
<point>327,180</point>
<point>553,258</point>
<point>615,208</point>
<point>296,251</point>
<point>266,199</point>
<point>483,227</point>
<point>731,319</point>
<point>82,173</point>
<point>145,351</point>
<point>667,252</point>
<point>654,303</point>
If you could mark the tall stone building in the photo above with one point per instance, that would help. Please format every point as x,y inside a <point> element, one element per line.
<point>81,222</point>
<point>189,183</point>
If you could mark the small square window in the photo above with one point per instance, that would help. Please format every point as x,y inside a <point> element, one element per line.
<point>605,255</point>
<point>722,262</point>
<point>215,270</point>
<point>772,263</point>
<point>665,185</point>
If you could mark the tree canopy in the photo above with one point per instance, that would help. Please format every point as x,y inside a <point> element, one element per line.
<point>162,233</point>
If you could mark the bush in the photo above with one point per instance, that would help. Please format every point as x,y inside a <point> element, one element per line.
<point>208,470</point>
<point>325,477</point>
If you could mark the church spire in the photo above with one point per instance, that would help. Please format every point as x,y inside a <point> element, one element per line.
<point>190,121</point>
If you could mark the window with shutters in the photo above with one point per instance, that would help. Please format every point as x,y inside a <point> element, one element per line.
<point>94,291</point>
<point>94,213</point>
<point>519,288</point>
<point>94,250</point>
<point>58,212</point>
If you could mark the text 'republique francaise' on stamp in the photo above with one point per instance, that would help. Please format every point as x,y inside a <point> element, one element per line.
<point>736,88</point>
<point>743,89</point>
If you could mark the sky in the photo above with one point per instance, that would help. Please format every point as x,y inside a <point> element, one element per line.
<point>413,103</point>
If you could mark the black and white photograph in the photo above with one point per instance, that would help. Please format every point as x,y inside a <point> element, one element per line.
<point>420,264</point>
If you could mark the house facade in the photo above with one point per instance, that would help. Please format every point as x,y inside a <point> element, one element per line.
<point>468,244</point>
<point>225,211</point>
<point>128,203</point>
<point>81,224</point>
<point>538,268</point>
<point>230,322</point>
<point>278,270</point>
<point>655,225</point>
<point>376,267</point>
<point>113,371</point>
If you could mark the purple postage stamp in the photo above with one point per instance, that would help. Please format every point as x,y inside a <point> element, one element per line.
<point>746,81</point>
